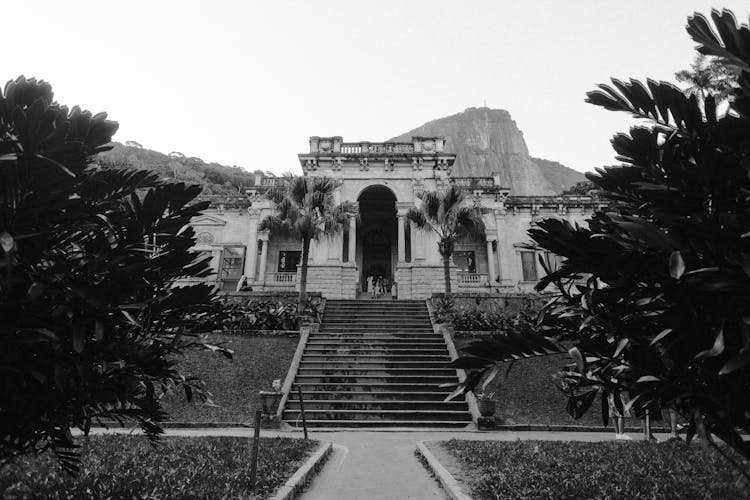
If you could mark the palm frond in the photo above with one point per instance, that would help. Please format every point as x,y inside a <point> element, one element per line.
<point>297,189</point>
<point>469,222</point>
<point>274,224</point>
<point>452,198</point>
<point>418,218</point>
<point>324,185</point>
<point>277,194</point>
<point>431,202</point>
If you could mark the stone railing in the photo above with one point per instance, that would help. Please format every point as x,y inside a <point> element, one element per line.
<point>472,280</point>
<point>377,147</point>
<point>281,278</point>
<point>273,181</point>
<point>474,182</point>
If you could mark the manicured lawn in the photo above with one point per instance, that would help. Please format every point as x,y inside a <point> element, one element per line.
<point>235,382</point>
<point>615,470</point>
<point>529,395</point>
<point>120,467</point>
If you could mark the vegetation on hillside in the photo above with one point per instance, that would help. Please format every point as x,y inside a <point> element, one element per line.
<point>216,179</point>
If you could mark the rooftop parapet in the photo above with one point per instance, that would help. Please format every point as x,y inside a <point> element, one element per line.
<point>336,146</point>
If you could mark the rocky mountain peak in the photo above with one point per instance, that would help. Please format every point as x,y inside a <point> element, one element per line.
<point>487,141</point>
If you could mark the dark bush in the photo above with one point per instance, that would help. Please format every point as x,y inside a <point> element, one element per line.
<point>259,314</point>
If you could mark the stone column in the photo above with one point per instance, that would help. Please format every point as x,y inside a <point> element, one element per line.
<point>500,225</point>
<point>251,259</point>
<point>263,258</point>
<point>401,239</point>
<point>491,261</point>
<point>352,256</point>
<point>413,240</point>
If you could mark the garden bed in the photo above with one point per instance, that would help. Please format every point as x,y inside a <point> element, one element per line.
<point>180,468</point>
<point>579,470</point>
<point>234,383</point>
<point>528,394</point>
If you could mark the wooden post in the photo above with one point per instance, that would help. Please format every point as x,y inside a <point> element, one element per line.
<point>302,410</point>
<point>254,455</point>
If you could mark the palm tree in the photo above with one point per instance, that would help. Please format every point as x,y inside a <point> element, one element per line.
<point>306,211</point>
<point>708,76</point>
<point>442,213</point>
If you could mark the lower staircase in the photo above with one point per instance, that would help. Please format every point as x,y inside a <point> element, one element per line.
<point>375,364</point>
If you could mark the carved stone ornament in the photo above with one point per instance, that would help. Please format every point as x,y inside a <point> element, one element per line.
<point>204,238</point>
<point>428,145</point>
<point>311,164</point>
<point>363,164</point>
<point>325,146</point>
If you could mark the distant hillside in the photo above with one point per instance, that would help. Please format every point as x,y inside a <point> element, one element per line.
<point>558,175</point>
<point>487,140</point>
<point>216,179</point>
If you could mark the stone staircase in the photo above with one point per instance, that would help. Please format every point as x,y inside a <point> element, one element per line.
<point>375,363</point>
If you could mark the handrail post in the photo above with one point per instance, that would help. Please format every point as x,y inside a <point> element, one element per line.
<point>302,410</point>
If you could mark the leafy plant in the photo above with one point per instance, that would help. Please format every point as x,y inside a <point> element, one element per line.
<point>445,306</point>
<point>88,257</point>
<point>442,213</point>
<point>653,294</point>
<point>305,210</point>
<point>485,396</point>
<point>258,314</point>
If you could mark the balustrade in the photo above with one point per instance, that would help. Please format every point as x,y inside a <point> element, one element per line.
<point>282,278</point>
<point>377,148</point>
<point>472,280</point>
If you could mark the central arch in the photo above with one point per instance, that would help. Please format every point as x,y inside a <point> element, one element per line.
<point>377,236</point>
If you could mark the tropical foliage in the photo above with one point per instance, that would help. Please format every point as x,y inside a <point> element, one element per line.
<point>91,320</point>
<point>442,213</point>
<point>259,314</point>
<point>709,76</point>
<point>654,295</point>
<point>306,211</point>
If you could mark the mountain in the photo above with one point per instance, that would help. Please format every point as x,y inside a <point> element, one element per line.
<point>216,179</point>
<point>486,141</point>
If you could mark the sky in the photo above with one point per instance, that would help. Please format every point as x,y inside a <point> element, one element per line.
<point>247,83</point>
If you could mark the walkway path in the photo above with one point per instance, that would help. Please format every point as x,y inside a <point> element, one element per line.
<point>380,465</point>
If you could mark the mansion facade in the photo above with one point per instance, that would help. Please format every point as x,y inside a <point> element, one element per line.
<point>384,180</point>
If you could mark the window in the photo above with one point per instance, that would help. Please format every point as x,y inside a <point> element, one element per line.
<point>528,265</point>
<point>232,259</point>
<point>289,260</point>
<point>466,262</point>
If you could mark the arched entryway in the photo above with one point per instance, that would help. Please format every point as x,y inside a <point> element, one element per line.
<point>376,238</point>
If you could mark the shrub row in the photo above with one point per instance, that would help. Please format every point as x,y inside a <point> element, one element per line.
<point>473,319</point>
<point>258,314</point>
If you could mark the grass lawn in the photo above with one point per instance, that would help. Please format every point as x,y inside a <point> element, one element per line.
<point>529,395</point>
<point>612,469</point>
<point>235,382</point>
<point>125,467</point>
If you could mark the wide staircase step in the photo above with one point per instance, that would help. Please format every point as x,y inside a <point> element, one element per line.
<point>376,364</point>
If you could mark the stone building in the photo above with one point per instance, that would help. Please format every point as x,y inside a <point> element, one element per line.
<point>384,179</point>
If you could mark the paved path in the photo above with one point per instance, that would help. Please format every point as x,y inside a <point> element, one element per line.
<point>380,465</point>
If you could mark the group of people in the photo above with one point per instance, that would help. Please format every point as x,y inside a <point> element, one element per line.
<point>379,286</point>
